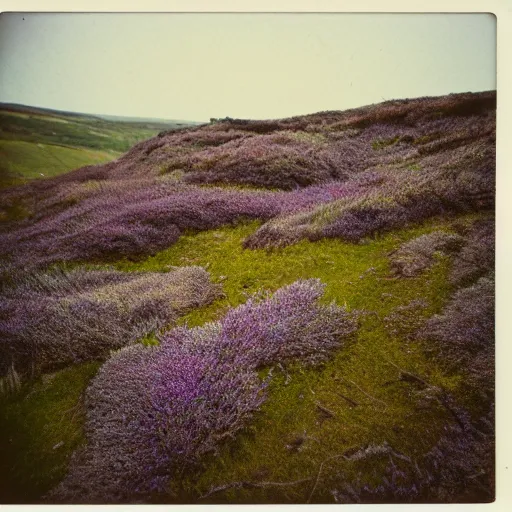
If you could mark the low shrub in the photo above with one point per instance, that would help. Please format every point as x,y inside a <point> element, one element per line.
<point>272,161</point>
<point>463,333</point>
<point>417,255</point>
<point>58,317</point>
<point>477,257</point>
<point>155,411</point>
<point>110,225</point>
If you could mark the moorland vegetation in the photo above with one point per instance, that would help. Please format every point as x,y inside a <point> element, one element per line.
<point>289,311</point>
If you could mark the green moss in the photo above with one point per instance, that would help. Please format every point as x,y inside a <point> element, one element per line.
<point>365,371</point>
<point>14,212</point>
<point>39,429</point>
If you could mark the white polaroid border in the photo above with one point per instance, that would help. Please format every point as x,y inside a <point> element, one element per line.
<point>502,9</point>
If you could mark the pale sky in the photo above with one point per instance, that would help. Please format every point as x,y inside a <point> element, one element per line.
<point>197,66</point>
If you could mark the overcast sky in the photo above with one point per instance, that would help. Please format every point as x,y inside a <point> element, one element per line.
<point>197,66</point>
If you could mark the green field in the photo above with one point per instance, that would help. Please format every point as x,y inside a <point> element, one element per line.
<point>22,161</point>
<point>37,143</point>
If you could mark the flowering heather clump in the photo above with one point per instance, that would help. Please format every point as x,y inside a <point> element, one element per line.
<point>464,332</point>
<point>461,181</point>
<point>303,210</point>
<point>274,161</point>
<point>57,318</point>
<point>457,180</point>
<point>110,225</point>
<point>477,257</point>
<point>153,411</point>
<point>417,255</point>
<point>289,325</point>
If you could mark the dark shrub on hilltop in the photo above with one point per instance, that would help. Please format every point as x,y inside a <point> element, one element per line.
<point>58,318</point>
<point>153,411</point>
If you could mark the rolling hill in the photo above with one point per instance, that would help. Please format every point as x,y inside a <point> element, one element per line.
<point>297,310</point>
<point>38,142</point>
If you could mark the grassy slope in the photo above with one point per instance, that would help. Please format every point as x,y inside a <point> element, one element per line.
<point>360,385</point>
<point>40,432</point>
<point>28,160</point>
<point>33,143</point>
<point>364,372</point>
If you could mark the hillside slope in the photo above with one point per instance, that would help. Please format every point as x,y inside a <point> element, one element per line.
<point>345,175</point>
<point>306,306</point>
<point>38,142</point>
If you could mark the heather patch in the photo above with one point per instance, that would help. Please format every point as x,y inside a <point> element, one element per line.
<point>58,318</point>
<point>415,256</point>
<point>460,181</point>
<point>463,333</point>
<point>133,219</point>
<point>477,257</point>
<point>377,412</point>
<point>273,161</point>
<point>226,428</point>
<point>139,222</point>
<point>170,405</point>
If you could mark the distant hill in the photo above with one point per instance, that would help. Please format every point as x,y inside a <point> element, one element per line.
<point>28,109</point>
<point>17,107</point>
<point>154,120</point>
<point>38,142</point>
